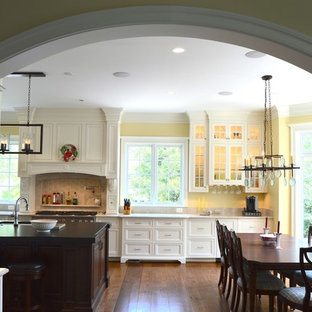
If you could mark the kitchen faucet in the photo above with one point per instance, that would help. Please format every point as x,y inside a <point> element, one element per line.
<point>16,210</point>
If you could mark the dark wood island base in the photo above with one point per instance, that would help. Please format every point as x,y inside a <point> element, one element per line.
<point>76,259</point>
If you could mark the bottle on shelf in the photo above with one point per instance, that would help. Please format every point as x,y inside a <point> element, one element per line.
<point>49,200</point>
<point>62,198</point>
<point>57,198</point>
<point>75,199</point>
<point>54,198</point>
<point>68,199</point>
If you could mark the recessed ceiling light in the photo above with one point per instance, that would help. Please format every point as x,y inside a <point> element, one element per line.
<point>255,54</point>
<point>121,74</point>
<point>225,93</point>
<point>68,74</point>
<point>81,100</point>
<point>178,50</point>
<point>171,92</point>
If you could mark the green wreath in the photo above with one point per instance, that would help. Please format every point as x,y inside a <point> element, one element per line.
<point>69,152</point>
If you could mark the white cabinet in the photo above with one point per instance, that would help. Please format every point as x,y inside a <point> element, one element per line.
<point>153,239</point>
<point>114,235</point>
<point>201,238</point>
<point>226,162</point>
<point>254,148</point>
<point>252,225</point>
<point>226,153</point>
<point>198,157</point>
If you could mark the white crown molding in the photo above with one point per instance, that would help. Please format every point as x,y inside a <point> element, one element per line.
<point>132,117</point>
<point>112,114</point>
<point>57,36</point>
<point>235,115</point>
<point>299,110</point>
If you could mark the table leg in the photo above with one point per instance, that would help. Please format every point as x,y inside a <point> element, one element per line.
<point>252,285</point>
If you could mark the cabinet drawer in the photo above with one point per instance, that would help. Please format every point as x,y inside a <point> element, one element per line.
<point>138,249</point>
<point>169,223</point>
<point>168,250</point>
<point>251,225</point>
<point>138,235</point>
<point>201,228</point>
<point>169,235</point>
<point>138,222</point>
<point>204,248</point>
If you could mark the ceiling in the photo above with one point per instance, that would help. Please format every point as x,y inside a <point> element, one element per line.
<point>159,80</point>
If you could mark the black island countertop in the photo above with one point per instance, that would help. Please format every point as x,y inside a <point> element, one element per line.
<point>76,259</point>
<point>71,231</point>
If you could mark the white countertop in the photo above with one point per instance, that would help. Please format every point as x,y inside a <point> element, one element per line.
<point>172,215</point>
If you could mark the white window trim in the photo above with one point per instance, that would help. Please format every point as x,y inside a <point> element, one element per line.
<point>154,140</point>
<point>296,192</point>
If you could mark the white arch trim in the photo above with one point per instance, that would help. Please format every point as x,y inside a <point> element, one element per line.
<point>57,36</point>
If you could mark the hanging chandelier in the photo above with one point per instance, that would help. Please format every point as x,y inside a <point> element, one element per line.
<point>30,134</point>
<point>268,166</point>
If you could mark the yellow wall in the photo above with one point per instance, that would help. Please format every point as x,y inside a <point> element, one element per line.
<point>279,196</point>
<point>155,129</point>
<point>17,16</point>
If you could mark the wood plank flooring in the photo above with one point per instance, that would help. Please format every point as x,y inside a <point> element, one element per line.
<point>166,287</point>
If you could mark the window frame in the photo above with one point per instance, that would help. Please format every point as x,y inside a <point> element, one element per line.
<point>297,192</point>
<point>15,141</point>
<point>129,140</point>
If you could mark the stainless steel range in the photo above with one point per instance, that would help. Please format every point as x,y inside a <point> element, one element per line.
<point>67,216</point>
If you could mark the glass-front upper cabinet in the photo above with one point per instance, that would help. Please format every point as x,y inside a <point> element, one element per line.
<point>198,131</point>
<point>228,131</point>
<point>254,134</point>
<point>198,157</point>
<point>227,160</point>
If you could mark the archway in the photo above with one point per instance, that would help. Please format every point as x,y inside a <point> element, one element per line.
<point>58,36</point>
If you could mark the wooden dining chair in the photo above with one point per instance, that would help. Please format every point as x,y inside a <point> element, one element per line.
<point>299,297</point>
<point>232,271</point>
<point>266,283</point>
<point>223,259</point>
<point>295,276</point>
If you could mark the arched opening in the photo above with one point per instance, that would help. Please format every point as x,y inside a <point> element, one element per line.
<point>58,36</point>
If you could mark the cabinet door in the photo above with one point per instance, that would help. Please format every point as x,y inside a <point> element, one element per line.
<point>198,131</point>
<point>236,132</point>
<point>219,131</point>
<point>198,168</point>
<point>254,133</point>
<point>218,163</point>
<point>253,180</point>
<point>235,176</point>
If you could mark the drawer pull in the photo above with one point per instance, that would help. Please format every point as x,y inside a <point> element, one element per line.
<point>199,247</point>
<point>168,223</point>
<point>168,235</point>
<point>168,249</point>
<point>137,249</point>
<point>137,222</point>
<point>200,228</point>
<point>137,234</point>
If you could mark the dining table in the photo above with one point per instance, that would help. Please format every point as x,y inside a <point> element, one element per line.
<point>263,257</point>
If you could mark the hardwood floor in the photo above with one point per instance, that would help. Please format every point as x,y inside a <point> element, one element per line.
<point>166,287</point>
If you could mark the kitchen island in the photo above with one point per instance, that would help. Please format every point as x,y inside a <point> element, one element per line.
<point>75,256</point>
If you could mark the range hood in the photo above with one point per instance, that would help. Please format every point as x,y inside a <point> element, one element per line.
<point>34,168</point>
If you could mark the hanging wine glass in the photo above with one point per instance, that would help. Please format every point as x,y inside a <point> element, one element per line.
<point>282,162</point>
<point>285,180</point>
<point>292,181</point>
